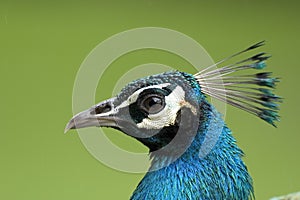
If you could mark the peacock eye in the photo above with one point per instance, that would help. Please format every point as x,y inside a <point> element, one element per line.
<point>153,104</point>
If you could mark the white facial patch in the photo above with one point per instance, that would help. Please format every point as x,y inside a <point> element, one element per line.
<point>166,117</point>
<point>132,98</point>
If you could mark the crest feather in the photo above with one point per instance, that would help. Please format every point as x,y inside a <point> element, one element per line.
<point>252,92</point>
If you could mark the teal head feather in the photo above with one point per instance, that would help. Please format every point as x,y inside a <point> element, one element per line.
<point>193,152</point>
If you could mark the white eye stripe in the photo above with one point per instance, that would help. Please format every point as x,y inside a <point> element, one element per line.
<point>167,116</point>
<point>132,98</point>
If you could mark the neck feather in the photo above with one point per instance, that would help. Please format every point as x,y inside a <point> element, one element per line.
<point>210,168</point>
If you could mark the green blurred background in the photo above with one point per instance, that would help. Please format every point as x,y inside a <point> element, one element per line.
<point>43,43</point>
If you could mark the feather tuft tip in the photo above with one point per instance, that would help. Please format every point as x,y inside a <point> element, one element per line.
<point>248,92</point>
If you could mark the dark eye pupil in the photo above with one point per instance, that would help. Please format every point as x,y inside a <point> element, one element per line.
<point>153,101</point>
<point>153,104</point>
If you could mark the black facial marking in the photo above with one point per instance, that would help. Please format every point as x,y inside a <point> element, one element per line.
<point>136,113</point>
<point>169,88</point>
<point>173,137</point>
<point>139,111</point>
<point>102,108</point>
<point>163,137</point>
<point>155,91</point>
<point>180,134</point>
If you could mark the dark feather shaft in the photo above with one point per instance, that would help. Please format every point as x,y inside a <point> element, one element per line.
<point>233,55</point>
<point>246,91</point>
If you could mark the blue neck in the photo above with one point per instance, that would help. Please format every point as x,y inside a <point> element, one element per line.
<point>218,173</point>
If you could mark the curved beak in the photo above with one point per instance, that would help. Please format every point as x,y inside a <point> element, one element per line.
<point>101,114</point>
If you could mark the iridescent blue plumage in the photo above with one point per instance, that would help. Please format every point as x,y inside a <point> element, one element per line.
<point>221,174</point>
<point>193,152</point>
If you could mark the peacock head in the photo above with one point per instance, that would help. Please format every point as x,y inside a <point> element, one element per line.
<point>150,109</point>
<point>155,109</point>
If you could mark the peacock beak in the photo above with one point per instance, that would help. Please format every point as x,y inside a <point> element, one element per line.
<point>101,114</point>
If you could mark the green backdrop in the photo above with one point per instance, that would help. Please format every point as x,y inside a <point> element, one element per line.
<point>42,45</point>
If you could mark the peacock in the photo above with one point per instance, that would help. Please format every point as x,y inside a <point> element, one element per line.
<point>193,153</point>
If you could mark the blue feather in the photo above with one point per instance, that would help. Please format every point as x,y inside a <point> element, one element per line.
<point>221,174</point>
<point>193,152</point>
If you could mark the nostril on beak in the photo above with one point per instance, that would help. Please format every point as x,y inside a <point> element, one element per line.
<point>102,108</point>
